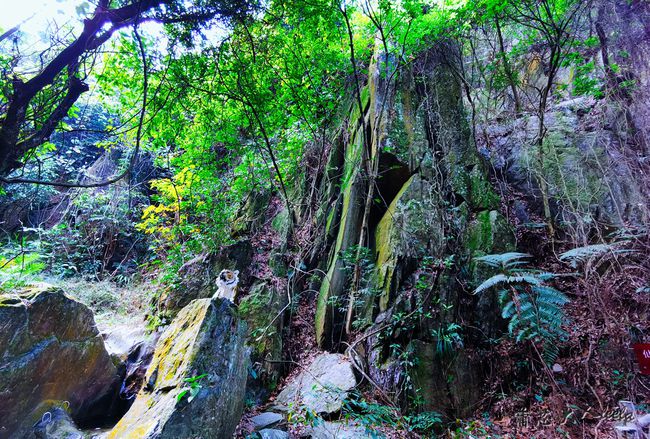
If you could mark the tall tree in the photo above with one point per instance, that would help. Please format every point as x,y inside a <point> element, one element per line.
<point>63,78</point>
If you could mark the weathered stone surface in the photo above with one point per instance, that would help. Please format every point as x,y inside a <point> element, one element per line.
<point>205,340</point>
<point>50,349</point>
<point>132,351</point>
<point>57,424</point>
<point>339,430</point>
<point>265,420</point>
<point>273,434</point>
<point>120,340</point>
<point>261,308</point>
<point>445,381</point>
<point>322,387</point>
<point>409,229</point>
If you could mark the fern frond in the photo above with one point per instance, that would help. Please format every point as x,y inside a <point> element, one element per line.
<point>491,281</point>
<point>582,254</point>
<point>503,279</point>
<point>504,260</point>
<point>550,295</point>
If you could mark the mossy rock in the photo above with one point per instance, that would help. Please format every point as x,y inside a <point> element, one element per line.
<point>447,383</point>
<point>50,349</point>
<point>409,230</point>
<point>328,317</point>
<point>489,233</point>
<point>204,347</point>
<point>261,309</point>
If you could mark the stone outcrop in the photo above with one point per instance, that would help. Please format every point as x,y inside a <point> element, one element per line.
<point>196,381</point>
<point>436,212</point>
<point>50,350</point>
<point>321,388</point>
<point>262,310</point>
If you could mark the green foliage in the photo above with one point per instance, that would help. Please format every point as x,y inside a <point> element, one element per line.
<point>580,255</point>
<point>447,338</point>
<point>192,388</point>
<point>298,414</point>
<point>534,309</point>
<point>96,234</point>
<point>424,422</point>
<point>584,81</point>
<point>361,259</point>
<point>369,414</point>
<point>373,415</point>
<point>19,268</point>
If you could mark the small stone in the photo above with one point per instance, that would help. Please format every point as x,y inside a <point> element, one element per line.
<point>557,368</point>
<point>266,419</point>
<point>268,433</point>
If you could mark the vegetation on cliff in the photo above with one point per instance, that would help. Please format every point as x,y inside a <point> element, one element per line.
<point>453,194</point>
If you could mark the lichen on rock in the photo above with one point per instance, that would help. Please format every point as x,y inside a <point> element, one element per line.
<point>196,381</point>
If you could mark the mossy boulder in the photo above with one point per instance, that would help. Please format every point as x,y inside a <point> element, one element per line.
<point>262,310</point>
<point>196,381</point>
<point>50,349</point>
<point>321,388</point>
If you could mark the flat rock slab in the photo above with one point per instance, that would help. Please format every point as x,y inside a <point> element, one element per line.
<point>339,430</point>
<point>266,419</point>
<point>322,387</point>
<point>268,433</point>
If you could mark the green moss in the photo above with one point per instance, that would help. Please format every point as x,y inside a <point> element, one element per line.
<point>347,235</point>
<point>481,193</point>
<point>489,233</point>
<point>385,246</point>
<point>258,309</point>
<point>174,351</point>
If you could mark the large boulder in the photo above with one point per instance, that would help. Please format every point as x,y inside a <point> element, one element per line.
<point>50,349</point>
<point>196,381</point>
<point>321,388</point>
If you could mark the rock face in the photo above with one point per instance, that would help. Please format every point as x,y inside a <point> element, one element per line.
<point>133,350</point>
<point>50,349</point>
<point>435,214</point>
<point>261,308</point>
<point>322,387</point>
<point>196,381</point>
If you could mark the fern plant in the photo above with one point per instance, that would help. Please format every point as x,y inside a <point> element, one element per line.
<point>581,255</point>
<point>535,310</point>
